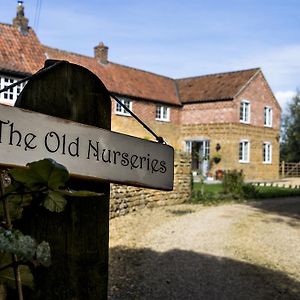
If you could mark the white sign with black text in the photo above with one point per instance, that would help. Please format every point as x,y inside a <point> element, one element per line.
<point>87,151</point>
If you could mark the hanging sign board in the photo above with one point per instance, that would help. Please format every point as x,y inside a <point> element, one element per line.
<point>87,151</point>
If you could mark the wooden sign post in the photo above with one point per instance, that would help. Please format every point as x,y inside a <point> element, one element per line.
<point>78,237</point>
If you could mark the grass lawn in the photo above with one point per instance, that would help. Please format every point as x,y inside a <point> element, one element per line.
<point>209,188</point>
<point>214,193</point>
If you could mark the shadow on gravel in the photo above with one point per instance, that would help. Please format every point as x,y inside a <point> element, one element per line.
<point>289,207</point>
<point>146,274</point>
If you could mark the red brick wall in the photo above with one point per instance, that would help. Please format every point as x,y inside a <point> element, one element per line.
<point>147,110</point>
<point>259,95</point>
<point>207,113</point>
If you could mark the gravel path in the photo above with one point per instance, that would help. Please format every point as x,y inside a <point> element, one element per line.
<point>237,251</point>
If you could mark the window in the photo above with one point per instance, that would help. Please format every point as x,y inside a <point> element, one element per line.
<point>268,116</point>
<point>245,112</point>
<point>244,155</point>
<point>162,113</point>
<point>120,110</point>
<point>9,96</point>
<point>267,153</point>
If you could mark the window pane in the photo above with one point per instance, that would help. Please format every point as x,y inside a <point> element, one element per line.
<point>158,112</point>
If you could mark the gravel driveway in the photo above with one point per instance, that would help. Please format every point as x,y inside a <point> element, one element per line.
<point>232,251</point>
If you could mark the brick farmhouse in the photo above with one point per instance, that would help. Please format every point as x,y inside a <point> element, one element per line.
<point>227,121</point>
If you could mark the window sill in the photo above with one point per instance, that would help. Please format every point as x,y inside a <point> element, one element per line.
<point>122,114</point>
<point>267,163</point>
<point>268,126</point>
<point>162,120</point>
<point>244,122</point>
<point>244,161</point>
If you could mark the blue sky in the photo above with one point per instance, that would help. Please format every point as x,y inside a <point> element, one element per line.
<point>177,38</point>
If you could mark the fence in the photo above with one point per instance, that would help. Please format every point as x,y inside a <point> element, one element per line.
<point>289,169</point>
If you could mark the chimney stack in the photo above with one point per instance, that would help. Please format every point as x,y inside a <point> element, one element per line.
<point>20,21</point>
<point>101,53</point>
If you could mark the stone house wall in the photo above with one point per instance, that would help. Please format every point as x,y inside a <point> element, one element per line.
<point>126,199</point>
<point>228,136</point>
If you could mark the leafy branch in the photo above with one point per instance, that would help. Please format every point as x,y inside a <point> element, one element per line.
<point>44,181</point>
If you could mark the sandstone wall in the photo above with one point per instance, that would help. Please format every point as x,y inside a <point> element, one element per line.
<point>229,136</point>
<point>125,199</point>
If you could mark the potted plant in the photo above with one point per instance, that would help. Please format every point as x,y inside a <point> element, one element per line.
<point>216,158</point>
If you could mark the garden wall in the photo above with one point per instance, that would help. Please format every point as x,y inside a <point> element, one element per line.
<point>126,199</point>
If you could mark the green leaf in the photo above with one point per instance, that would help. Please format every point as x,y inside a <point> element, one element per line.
<point>7,275</point>
<point>55,202</point>
<point>53,174</point>
<point>72,193</point>
<point>27,178</point>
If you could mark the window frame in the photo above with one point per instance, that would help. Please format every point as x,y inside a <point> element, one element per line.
<point>10,96</point>
<point>244,159</point>
<point>160,109</point>
<point>268,116</point>
<point>122,111</point>
<point>267,152</point>
<point>245,111</point>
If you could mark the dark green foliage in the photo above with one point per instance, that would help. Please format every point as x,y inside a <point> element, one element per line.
<point>265,192</point>
<point>45,180</point>
<point>290,145</point>
<point>42,184</point>
<point>214,193</point>
<point>233,183</point>
<point>25,247</point>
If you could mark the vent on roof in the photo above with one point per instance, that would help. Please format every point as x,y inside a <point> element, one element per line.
<point>101,53</point>
<point>20,21</point>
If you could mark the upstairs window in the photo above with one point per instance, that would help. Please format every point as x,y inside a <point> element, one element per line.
<point>267,153</point>
<point>10,96</point>
<point>268,115</point>
<point>244,151</point>
<point>245,111</point>
<point>162,113</point>
<point>120,110</point>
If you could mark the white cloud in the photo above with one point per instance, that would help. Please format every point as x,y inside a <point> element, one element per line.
<point>284,97</point>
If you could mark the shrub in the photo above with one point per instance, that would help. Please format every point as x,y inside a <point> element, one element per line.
<point>233,183</point>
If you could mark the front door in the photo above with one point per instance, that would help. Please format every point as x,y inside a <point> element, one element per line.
<point>200,155</point>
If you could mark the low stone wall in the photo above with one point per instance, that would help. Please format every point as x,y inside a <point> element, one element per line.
<point>126,199</point>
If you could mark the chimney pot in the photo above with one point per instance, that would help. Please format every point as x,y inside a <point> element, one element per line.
<point>101,53</point>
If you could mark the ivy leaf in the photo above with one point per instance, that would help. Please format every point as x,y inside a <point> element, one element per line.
<point>52,174</point>
<point>72,193</point>
<point>55,202</point>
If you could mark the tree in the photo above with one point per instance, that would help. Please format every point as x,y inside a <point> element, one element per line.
<point>290,145</point>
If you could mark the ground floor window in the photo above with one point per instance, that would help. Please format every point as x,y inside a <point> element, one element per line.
<point>200,151</point>
<point>244,151</point>
<point>267,152</point>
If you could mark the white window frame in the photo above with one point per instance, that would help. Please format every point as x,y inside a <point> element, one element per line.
<point>120,110</point>
<point>245,144</point>
<point>267,152</point>
<point>245,111</point>
<point>162,113</point>
<point>9,97</point>
<point>268,116</point>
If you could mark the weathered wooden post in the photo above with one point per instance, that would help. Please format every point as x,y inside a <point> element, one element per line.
<point>78,237</point>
